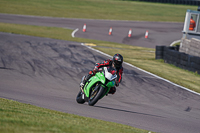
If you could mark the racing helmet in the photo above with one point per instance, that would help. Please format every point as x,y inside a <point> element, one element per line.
<point>117,60</point>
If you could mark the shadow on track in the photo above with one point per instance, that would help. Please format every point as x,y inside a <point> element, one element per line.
<point>127,111</point>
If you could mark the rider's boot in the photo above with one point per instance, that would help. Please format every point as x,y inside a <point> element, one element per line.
<point>112,90</point>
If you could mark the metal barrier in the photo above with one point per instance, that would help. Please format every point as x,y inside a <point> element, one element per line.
<point>185,2</point>
<point>172,55</point>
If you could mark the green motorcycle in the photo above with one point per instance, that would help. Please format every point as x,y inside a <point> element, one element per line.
<point>97,86</point>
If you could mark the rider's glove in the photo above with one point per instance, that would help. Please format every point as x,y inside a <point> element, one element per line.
<point>95,70</point>
<point>91,72</point>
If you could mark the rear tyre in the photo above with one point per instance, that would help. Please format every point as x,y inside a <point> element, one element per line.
<point>79,98</point>
<point>96,95</point>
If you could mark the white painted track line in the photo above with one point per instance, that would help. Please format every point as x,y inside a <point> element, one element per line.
<point>73,33</point>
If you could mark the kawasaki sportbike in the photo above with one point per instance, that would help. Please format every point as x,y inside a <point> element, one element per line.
<point>97,86</point>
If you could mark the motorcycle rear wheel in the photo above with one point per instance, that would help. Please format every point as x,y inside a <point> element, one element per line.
<point>79,98</point>
<point>97,95</point>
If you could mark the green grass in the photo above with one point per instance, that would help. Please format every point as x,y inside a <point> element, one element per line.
<point>97,9</point>
<point>25,118</point>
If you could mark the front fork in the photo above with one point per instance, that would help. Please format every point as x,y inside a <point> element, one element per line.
<point>81,84</point>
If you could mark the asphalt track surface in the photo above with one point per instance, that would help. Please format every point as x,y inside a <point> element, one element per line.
<point>159,33</point>
<point>47,72</point>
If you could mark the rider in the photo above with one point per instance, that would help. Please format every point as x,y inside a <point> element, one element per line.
<point>192,24</point>
<point>116,62</point>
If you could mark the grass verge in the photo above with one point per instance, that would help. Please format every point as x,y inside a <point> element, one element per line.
<point>25,118</point>
<point>138,56</point>
<point>98,9</point>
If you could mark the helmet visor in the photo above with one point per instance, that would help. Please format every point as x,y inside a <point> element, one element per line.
<point>117,63</point>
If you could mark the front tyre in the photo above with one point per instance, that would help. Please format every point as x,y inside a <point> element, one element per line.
<point>79,98</point>
<point>96,95</point>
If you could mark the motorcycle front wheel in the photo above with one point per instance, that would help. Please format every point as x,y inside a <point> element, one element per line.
<point>96,95</point>
<point>79,98</point>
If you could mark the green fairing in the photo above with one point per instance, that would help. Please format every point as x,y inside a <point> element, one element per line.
<point>110,84</point>
<point>99,77</point>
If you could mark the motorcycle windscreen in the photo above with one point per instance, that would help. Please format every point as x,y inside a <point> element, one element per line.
<point>111,70</point>
<point>110,73</point>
